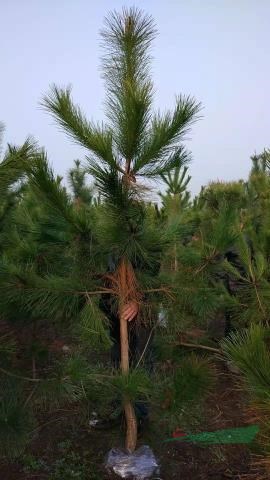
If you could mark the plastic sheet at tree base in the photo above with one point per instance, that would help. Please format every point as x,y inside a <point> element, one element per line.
<point>139,465</point>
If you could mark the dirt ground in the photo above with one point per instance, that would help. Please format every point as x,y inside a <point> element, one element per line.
<point>225,408</point>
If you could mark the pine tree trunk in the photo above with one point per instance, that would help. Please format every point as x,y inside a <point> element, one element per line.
<point>131,422</point>
<point>127,290</point>
<point>175,258</point>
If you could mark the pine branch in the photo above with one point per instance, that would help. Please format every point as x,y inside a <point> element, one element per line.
<point>166,131</point>
<point>178,157</point>
<point>97,139</point>
<point>12,168</point>
<point>49,189</point>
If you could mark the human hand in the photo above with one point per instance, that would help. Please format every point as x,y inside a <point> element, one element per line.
<point>130,310</point>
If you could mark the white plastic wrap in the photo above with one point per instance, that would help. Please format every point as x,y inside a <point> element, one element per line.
<point>162,318</point>
<point>139,465</point>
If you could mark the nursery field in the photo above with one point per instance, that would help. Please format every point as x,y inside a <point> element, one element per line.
<point>131,313</point>
<point>64,450</point>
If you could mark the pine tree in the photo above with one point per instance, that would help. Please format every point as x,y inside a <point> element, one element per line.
<point>248,350</point>
<point>261,162</point>
<point>77,181</point>
<point>176,194</point>
<point>175,201</point>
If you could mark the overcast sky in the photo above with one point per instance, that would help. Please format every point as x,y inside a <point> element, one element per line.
<point>216,50</point>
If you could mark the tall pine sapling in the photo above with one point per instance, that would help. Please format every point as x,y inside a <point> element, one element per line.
<point>134,143</point>
<point>176,199</point>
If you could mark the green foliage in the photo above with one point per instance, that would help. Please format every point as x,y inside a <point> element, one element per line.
<point>176,199</point>
<point>43,181</point>
<point>13,164</point>
<point>32,464</point>
<point>165,131</point>
<point>16,421</point>
<point>216,194</point>
<point>92,327</point>
<point>72,120</point>
<point>249,351</point>
<point>81,191</point>
<point>136,385</point>
<point>191,381</point>
<point>69,467</point>
<point>261,162</point>
<point>252,277</point>
<point>181,395</point>
<point>127,37</point>
<point>176,181</point>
